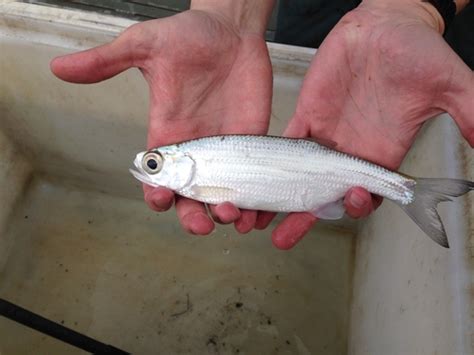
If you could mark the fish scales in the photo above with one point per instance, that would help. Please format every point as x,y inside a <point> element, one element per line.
<point>289,175</point>
<point>281,174</point>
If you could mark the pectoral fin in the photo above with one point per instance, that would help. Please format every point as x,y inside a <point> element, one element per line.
<point>332,210</point>
<point>205,191</point>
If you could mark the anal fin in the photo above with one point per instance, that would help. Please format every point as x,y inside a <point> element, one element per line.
<point>332,210</point>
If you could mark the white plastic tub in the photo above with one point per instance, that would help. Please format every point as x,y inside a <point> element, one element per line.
<point>78,245</point>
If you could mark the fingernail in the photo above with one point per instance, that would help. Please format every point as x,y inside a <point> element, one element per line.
<point>357,201</point>
<point>283,243</point>
<point>199,223</point>
<point>227,213</point>
<point>159,208</point>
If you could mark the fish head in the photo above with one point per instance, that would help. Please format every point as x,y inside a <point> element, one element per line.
<point>166,167</point>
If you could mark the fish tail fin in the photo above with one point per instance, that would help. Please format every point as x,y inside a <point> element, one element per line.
<point>428,193</point>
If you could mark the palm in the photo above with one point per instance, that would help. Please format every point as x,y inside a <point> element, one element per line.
<point>389,83</point>
<point>371,86</point>
<point>205,78</point>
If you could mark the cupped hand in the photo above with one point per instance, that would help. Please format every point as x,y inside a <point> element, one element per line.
<point>381,73</point>
<point>206,76</point>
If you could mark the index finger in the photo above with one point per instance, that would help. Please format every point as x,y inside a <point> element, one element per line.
<point>159,199</point>
<point>292,229</point>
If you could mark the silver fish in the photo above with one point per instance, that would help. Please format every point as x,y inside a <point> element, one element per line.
<point>289,175</point>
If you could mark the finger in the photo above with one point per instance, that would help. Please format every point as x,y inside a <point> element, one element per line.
<point>158,198</point>
<point>99,63</point>
<point>358,202</point>
<point>193,216</point>
<point>224,213</point>
<point>292,229</point>
<point>264,219</point>
<point>246,222</point>
<point>376,201</point>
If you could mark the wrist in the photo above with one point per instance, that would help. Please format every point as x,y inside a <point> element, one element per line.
<point>420,10</point>
<point>461,4</point>
<point>246,16</point>
<point>446,9</point>
<point>436,15</point>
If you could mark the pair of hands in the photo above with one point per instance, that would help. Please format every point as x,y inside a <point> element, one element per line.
<point>380,74</point>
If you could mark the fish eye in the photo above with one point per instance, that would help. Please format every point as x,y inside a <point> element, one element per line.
<point>152,162</point>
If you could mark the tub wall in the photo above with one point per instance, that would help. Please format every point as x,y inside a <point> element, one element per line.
<point>14,174</point>
<point>410,295</point>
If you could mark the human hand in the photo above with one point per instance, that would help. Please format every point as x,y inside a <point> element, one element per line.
<point>381,73</point>
<point>208,72</point>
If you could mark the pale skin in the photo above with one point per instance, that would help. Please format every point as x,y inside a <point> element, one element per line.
<point>381,73</point>
<point>209,73</point>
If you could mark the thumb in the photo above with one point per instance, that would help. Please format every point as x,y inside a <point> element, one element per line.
<point>96,64</point>
<point>296,128</point>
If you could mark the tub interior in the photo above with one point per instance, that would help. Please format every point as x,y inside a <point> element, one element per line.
<point>79,246</point>
<point>108,267</point>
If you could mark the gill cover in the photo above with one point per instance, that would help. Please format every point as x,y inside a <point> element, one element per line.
<point>175,168</point>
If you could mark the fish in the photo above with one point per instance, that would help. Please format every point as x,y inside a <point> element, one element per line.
<point>282,174</point>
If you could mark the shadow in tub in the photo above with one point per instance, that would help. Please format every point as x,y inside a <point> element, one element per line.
<point>108,267</point>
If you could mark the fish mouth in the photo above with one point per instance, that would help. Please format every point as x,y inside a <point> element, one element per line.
<point>140,176</point>
<point>138,173</point>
